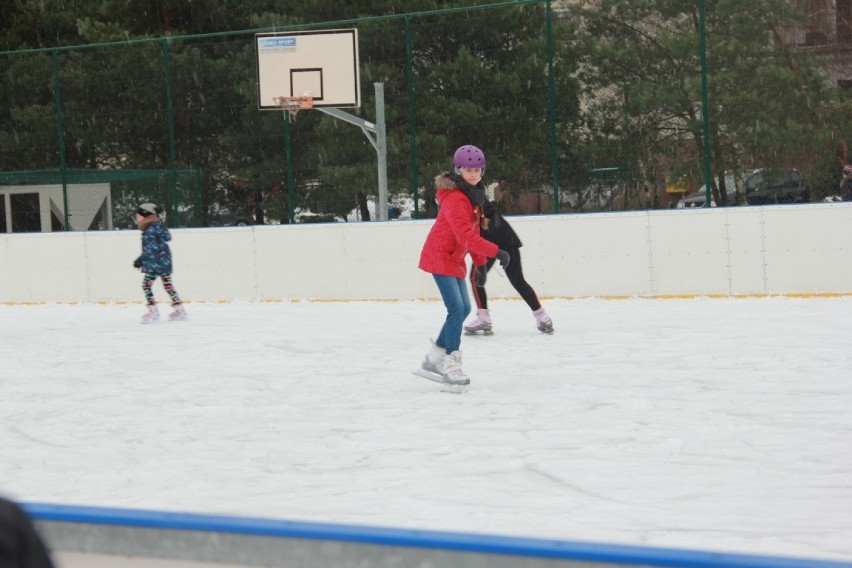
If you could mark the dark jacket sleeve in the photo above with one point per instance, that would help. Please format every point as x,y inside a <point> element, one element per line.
<point>499,231</point>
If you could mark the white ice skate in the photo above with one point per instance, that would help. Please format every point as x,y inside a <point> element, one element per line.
<point>179,314</point>
<point>152,315</point>
<point>543,323</point>
<point>433,359</point>
<point>440,367</point>
<point>451,371</point>
<point>482,324</point>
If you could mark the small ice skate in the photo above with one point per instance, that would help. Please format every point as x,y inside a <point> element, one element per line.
<point>179,314</point>
<point>152,315</point>
<point>543,323</point>
<point>482,324</point>
<point>442,368</point>
<point>433,359</point>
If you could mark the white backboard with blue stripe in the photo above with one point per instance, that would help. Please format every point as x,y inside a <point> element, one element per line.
<point>322,63</point>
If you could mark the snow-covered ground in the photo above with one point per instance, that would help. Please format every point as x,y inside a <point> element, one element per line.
<point>710,424</point>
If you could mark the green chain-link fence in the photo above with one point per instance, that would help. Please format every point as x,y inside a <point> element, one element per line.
<point>190,103</point>
<point>175,120</point>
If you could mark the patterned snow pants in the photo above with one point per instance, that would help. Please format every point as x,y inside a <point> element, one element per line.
<point>148,282</point>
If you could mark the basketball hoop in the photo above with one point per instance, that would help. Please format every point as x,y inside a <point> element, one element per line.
<point>294,104</point>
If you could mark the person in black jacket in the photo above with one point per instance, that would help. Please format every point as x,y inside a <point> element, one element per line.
<point>20,544</point>
<point>846,183</point>
<point>495,228</point>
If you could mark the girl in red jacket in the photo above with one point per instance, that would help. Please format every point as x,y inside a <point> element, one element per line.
<point>460,196</point>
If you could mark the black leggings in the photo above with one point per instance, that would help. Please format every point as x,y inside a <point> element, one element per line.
<point>515,273</point>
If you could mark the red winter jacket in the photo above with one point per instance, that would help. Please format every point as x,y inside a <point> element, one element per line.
<point>454,234</point>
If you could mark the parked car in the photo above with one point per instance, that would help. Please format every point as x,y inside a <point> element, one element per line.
<point>784,186</point>
<point>699,196</point>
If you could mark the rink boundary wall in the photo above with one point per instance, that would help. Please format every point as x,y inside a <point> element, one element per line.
<point>244,541</point>
<point>792,250</point>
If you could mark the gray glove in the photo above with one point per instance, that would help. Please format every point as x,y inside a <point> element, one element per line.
<point>503,257</point>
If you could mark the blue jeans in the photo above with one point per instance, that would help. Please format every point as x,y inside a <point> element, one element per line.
<point>454,293</point>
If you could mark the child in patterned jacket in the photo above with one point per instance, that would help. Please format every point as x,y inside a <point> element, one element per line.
<point>156,261</point>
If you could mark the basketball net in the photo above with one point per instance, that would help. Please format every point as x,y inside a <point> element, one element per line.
<point>294,104</point>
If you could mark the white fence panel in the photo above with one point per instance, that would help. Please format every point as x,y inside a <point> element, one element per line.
<point>793,249</point>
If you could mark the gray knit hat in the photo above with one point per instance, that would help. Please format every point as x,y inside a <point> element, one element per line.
<point>148,209</point>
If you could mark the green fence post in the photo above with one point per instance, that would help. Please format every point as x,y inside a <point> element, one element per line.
<point>60,132</point>
<point>551,95</point>
<point>412,128</point>
<point>705,112</point>
<point>291,190</point>
<point>170,114</point>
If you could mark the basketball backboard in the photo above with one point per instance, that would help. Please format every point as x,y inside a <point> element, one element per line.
<point>322,63</point>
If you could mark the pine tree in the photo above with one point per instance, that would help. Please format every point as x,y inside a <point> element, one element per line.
<point>767,100</point>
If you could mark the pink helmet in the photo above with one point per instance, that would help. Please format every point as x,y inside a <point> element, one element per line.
<point>468,157</point>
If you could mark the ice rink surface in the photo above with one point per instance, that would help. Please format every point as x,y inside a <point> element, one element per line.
<point>712,424</point>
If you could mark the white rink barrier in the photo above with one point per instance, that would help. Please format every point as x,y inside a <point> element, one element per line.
<point>92,537</point>
<point>769,250</point>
